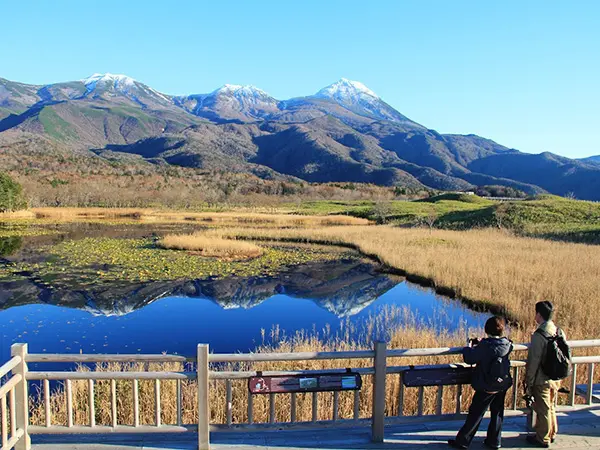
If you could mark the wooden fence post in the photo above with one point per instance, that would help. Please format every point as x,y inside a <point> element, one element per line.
<point>21,397</point>
<point>378,419</point>
<point>203,399</point>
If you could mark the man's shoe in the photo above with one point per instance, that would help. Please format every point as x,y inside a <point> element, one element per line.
<point>488,445</point>
<point>452,443</point>
<point>534,441</point>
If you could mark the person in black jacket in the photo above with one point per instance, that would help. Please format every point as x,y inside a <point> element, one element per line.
<point>491,379</point>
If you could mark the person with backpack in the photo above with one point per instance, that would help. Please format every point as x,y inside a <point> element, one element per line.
<point>491,379</point>
<point>548,361</point>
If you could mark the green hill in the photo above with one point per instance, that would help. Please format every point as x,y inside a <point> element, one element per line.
<point>546,216</point>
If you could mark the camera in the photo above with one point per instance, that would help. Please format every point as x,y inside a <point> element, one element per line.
<point>474,341</point>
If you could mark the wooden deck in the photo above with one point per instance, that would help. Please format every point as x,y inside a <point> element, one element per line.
<point>578,430</point>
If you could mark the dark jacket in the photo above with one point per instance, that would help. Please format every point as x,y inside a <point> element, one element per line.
<point>484,355</point>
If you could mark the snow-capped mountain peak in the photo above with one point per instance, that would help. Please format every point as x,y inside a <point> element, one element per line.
<point>118,80</point>
<point>359,99</point>
<point>133,89</point>
<point>232,102</point>
<point>346,89</point>
<point>237,90</point>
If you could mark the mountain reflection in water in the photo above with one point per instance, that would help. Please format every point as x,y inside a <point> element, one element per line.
<point>229,313</point>
<point>343,287</point>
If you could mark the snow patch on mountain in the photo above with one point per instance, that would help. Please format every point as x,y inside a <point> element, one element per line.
<point>246,89</point>
<point>346,89</point>
<point>124,84</point>
<point>244,93</point>
<point>358,98</point>
<point>120,81</point>
<point>230,101</point>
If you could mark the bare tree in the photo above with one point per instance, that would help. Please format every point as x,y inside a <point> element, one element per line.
<point>430,219</point>
<point>501,215</point>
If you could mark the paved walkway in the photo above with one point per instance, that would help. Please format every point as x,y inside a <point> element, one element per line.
<point>578,430</point>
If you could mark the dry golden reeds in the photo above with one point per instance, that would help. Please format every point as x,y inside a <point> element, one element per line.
<point>143,215</point>
<point>211,245</point>
<point>490,268</point>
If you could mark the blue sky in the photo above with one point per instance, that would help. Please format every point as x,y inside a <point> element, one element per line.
<point>524,73</point>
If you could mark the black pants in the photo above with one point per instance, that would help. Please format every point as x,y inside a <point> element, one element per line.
<point>481,402</point>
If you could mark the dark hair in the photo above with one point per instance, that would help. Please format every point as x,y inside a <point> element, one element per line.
<point>545,309</point>
<point>494,326</point>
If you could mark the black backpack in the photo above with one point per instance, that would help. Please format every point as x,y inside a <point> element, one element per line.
<point>556,364</point>
<point>498,377</point>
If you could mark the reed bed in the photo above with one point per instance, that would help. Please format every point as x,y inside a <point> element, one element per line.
<point>211,246</point>
<point>489,269</point>
<point>142,215</point>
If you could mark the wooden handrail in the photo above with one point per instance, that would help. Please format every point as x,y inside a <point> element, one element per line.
<point>270,357</point>
<point>440,351</point>
<point>10,365</point>
<point>365,354</point>
<point>300,356</point>
<point>237,375</point>
<point>585,359</point>
<point>240,375</point>
<point>73,375</point>
<point>103,429</point>
<point>10,385</point>
<point>77,358</point>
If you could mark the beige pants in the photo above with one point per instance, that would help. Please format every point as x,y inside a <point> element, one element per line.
<point>544,405</point>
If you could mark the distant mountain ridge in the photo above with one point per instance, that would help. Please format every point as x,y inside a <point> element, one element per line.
<point>592,159</point>
<point>342,133</point>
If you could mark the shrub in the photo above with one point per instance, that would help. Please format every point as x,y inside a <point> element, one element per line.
<point>9,245</point>
<point>11,197</point>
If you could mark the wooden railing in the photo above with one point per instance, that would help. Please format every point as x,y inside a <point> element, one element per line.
<point>16,388</point>
<point>15,414</point>
<point>380,372</point>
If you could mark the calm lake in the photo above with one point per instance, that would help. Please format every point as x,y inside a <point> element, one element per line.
<point>231,314</point>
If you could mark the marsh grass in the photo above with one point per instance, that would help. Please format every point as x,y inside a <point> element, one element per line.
<point>489,269</point>
<point>212,246</point>
<point>280,218</point>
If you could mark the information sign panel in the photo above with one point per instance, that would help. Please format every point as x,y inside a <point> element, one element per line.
<point>437,377</point>
<point>348,381</point>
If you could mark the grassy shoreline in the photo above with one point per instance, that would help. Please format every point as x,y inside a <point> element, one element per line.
<point>488,268</point>
<point>547,217</point>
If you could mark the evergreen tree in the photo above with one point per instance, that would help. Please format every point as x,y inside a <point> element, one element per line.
<point>11,197</point>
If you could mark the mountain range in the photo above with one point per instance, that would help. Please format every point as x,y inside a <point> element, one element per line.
<point>592,159</point>
<point>342,133</point>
